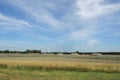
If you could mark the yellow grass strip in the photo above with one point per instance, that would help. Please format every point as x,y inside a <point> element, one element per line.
<point>60,65</point>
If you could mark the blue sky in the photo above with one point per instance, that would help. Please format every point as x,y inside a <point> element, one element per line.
<point>60,25</point>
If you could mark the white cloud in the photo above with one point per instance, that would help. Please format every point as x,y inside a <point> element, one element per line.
<point>49,20</point>
<point>42,11</point>
<point>88,9</point>
<point>87,30</point>
<point>93,42</point>
<point>89,13</point>
<point>12,20</point>
<point>39,11</point>
<point>10,23</point>
<point>81,34</point>
<point>15,45</point>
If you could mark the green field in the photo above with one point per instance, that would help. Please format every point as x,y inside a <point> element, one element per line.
<point>6,74</point>
<point>59,67</point>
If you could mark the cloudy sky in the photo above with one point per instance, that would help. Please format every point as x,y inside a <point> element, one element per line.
<point>60,25</point>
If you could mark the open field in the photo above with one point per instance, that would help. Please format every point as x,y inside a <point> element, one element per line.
<point>6,74</point>
<point>59,67</point>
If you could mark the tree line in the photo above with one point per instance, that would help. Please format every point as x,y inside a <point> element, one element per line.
<point>22,52</point>
<point>28,51</point>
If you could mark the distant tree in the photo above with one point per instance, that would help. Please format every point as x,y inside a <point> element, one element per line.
<point>27,51</point>
<point>33,51</point>
<point>6,51</point>
<point>1,51</point>
<point>77,52</point>
<point>67,53</point>
<point>55,53</point>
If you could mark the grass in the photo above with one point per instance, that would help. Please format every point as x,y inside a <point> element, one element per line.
<point>60,65</point>
<point>49,67</point>
<point>6,74</point>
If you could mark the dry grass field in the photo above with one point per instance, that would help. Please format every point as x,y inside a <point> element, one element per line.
<point>69,64</point>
